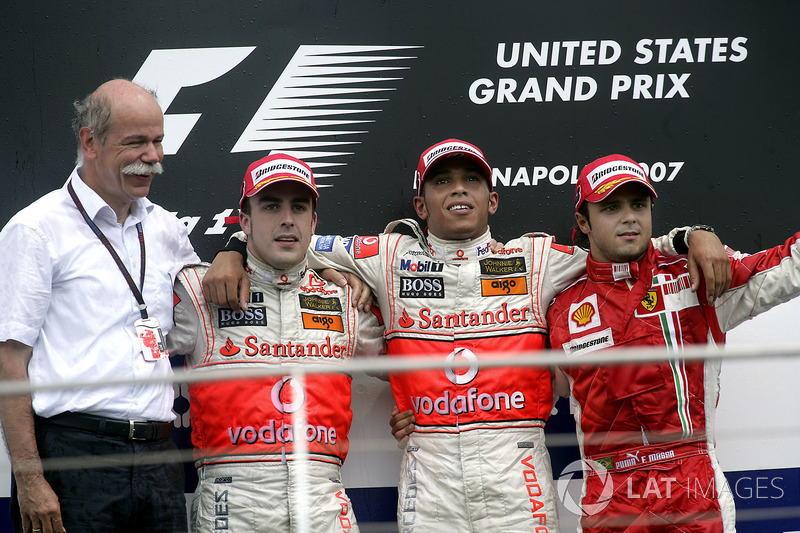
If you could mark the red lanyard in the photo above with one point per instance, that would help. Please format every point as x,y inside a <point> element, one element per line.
<point>134,289</point>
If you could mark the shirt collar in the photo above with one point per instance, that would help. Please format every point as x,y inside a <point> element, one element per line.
<point>458,251</point>
<point>281,279</point>
<point>611,272</point>
<point>96,207</point>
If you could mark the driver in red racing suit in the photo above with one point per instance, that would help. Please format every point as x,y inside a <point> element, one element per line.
<point>646,431</point>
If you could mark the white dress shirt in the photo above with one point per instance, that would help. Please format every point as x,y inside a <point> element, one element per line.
<point>63,294</point>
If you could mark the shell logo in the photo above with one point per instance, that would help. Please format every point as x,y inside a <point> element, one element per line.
<point>583,315</point>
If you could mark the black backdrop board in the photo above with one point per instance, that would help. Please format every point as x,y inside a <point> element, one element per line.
<point>704,93</point>
<point>721,136</point>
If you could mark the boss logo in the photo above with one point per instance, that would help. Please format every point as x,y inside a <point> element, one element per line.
<point>254,316</point>
<point>421,287</point>
<point>326,322</point>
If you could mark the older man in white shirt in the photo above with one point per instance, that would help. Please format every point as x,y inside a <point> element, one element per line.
<point>86,279</point>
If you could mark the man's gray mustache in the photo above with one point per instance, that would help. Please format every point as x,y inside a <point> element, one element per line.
<point>143,169</point>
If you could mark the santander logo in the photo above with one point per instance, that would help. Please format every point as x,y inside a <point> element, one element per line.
<point>405,321</point>
<point>230,349</point>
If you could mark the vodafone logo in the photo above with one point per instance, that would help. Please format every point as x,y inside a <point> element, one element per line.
<point>364,247</point>
<point>458,375</point>
<point>287,395</point>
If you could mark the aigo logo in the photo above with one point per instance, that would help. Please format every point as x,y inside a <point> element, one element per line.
<point>456,374</point>
<point>287,389</point>
<point>324,322</point>
<point>504,286</point>
<point>570,493</point>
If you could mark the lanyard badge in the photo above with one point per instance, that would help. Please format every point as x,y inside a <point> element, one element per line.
<point>148,330</point>
<point>151,338</point>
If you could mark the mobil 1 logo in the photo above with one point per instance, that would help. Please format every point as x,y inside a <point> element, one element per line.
<point>254,316</point>
<point>432,287</point>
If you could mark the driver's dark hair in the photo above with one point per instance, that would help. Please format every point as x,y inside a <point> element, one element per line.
<point>579,238</point>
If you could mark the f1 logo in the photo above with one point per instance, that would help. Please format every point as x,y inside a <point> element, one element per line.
<point>168,71</point>
<point>296,112</point>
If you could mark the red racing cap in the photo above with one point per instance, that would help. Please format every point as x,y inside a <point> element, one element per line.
<point>450,148</point>
<point>603,176</point>
<point>273,169</point>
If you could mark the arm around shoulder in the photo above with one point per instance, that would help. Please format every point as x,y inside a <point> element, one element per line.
<point>706,257</point>
<point>190,303</point>
<point>760,282</point>
<point>226,283</point>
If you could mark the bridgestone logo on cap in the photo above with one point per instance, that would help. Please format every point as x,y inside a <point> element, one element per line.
<point>449,147</point>
<point>282,167</point>
<point>612,169</point>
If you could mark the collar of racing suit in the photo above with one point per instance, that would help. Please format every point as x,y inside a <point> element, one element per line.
<point>459,251</point>
<point>281,279</point>
<point>611,272</point>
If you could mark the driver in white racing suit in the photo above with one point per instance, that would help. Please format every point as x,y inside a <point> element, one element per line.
<point>244,430</point>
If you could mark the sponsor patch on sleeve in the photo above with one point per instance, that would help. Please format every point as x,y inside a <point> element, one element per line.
<point>563,248</point>
<point>365,247</point>
<point>347,242</point>
<point>324,243</point>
